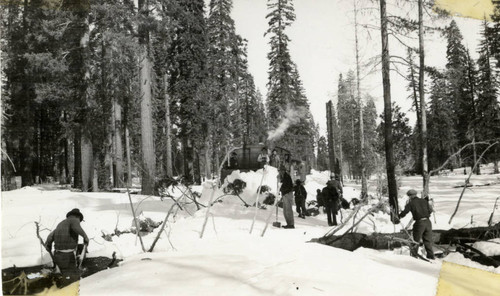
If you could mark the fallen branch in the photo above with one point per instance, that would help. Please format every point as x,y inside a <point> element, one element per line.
<point>468,178</point>
<point>270,215</point>
<point>193,198</point>
<point>257,198</point>
<point>57,270</point>
<point>490,220</point>
<point>334,230</point>
<point>113,260</point>
<point>371,210</point>
<point>22,284</point>
<point>481,254</point>
<point>455,154</point>
<point>135,219</point>
<point>11,162</point>
<point>162,227</point>
<point>214,186</point>
<point>237,195</point>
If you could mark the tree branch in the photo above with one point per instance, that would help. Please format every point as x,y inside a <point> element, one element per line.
<point>468,178</point>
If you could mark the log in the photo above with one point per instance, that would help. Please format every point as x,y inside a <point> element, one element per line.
<point>483,258</point>
<point>388,241</point>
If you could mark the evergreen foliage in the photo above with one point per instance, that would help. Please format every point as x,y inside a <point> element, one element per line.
<point>286,101</point>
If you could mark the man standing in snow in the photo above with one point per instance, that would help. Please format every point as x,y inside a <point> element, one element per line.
<point>331,195</point>
<point>286,190</point>
<point>263,158</point>
<point>65,239</point>
<point>300,198</point>
<point>422,228</point>
<point>275,159</point>
<point>319,198</point>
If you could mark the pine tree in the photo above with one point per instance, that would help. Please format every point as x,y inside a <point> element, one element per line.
<point>225,68</point>
<point>370,135</point>
<point>285,91</point>
<point>280,64</point>
<point>413,78</point>
<point>113,75</point>
<point>34,74</point>
<point>488,106</point>
<point>251,111</point>
<point>322,152</point>
<point>349,122</point>
<point>402,140</point>
<point>442,127</point>
<point>187,56</point>
<point>493,33</point>
<point>458,94</point>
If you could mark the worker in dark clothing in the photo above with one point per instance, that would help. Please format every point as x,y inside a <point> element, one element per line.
<point>232,163</point>
<point>65,240</point>
<point>331,197</point>
<point>319,198</point>
<point>422,228</point>
<point>263,158</point>
<point>286,190</point>
<point>300,198</point>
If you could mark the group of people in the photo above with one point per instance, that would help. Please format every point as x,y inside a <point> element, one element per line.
<point>329,197</point>
<point>273,160</point>
<point>65,236</point>
<point>296,169</point>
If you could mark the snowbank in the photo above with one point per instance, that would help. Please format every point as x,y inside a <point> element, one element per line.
<point>229,260</point>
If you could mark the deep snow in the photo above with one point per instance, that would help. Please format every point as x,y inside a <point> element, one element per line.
<point>228,260</point>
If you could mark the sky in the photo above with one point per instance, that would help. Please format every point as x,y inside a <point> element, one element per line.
<point>322,45</point>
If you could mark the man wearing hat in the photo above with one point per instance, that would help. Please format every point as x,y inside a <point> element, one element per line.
<point>300,198</point>
<point>331,196</point>
<point>286,190</point>
<point>422,228</point>
<point>65,239</point>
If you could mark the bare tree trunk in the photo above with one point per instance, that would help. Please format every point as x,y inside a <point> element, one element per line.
<point>77,167</point>
<point>108,158</point>
<point>419,113</point>
<point>421,90</point>
<point>330,132</point>
<point>148,148</point>
<point>95,180</point>
<point>389,153</point>
<point>168,135</point>
<point>129,165</point>
<point>117,137</point>
<point>67,178</point>
<point>187,151</point>
<point>196,166</point>
<point>87,162</point>
<point>208,159</point>
<point>341,156</point>
<point>474,152</point>
<point>364,188</point>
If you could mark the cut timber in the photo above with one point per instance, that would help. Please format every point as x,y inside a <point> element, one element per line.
<point>469,234</point>
<point>387,241</point>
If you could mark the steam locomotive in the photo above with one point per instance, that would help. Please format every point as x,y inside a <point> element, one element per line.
<point>245,158</point>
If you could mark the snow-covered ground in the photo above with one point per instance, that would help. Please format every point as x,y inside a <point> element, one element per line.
<point>229,260</point>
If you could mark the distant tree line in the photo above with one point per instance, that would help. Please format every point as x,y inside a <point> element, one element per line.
<point>462,107</point>
<point>97,92</point>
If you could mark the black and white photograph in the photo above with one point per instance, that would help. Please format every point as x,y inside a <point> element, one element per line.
<point>250,147</point>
